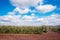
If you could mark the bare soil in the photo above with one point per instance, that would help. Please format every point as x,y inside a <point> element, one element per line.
<point>45,36</point>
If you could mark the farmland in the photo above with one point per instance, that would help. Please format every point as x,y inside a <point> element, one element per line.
<point>23,30</point>
<point>29,33</point>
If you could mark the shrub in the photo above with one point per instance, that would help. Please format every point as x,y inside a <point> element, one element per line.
<point>22,30</point>
<point>57,29</point>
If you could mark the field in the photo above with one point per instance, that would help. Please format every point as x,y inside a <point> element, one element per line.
<point>29,33</point>
<point>23,29</point>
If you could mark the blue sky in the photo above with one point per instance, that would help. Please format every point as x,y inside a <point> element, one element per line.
<point>29,12</point>
<point>5,7</point>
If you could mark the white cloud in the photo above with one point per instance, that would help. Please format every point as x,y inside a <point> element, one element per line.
<point>25,3</point>
<point>11,13</point>
<point>22,6</point>
<point>10,18</point>
<point>53,19</point>
<point>16,20</point>
<point>21,11</point>
<point>28,18</point>
<point>45,8</point>
<point>32,14</point>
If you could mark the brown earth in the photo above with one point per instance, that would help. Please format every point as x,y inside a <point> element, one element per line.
<point>45,36</point>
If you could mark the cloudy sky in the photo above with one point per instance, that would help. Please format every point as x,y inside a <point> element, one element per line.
<point>30,12</point>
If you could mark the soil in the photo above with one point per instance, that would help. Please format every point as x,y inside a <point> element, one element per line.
<point>45,36</point>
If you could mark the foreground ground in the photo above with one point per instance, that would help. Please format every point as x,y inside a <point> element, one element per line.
<point>46,36</point>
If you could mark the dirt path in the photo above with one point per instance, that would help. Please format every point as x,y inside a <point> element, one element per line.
<point>46,36</point>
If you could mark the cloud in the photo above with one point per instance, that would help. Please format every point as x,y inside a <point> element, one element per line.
<point>21,11</point>
<point>17,10</point>
<point>45,8</point>
<point>11,20</point>
<point>16,20</point>
<point>25,3</point>
<point>29,18</point>
<point>23,6</point>
<point>53,19</point>
<point>11,13</point>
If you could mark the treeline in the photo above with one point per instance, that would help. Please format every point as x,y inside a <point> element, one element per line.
<point>23,29</point>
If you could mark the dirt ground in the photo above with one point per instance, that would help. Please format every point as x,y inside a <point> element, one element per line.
<point>45,36</point>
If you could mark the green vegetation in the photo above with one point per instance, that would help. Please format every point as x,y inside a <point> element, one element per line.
<point>23,29</point>
<point>28,29</point>
<point>55,29</point>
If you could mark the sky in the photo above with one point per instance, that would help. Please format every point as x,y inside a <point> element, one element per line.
<point>30,12</point>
